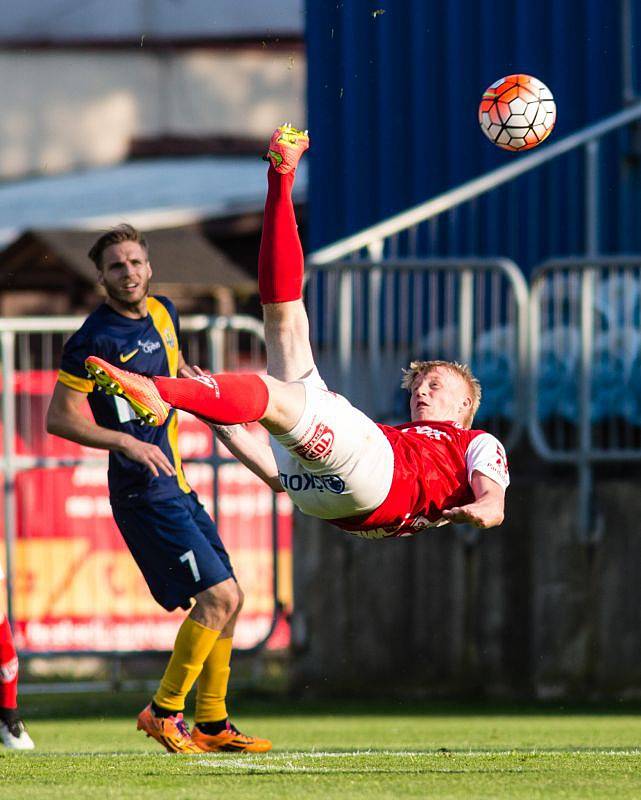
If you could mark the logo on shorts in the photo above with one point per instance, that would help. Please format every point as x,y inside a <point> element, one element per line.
<point>307,481</point>
<point>319,445</point>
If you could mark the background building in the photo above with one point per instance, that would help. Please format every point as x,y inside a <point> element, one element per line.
<point>147,112</point>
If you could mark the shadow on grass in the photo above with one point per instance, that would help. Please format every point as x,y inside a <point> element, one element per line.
<point>118,704</point>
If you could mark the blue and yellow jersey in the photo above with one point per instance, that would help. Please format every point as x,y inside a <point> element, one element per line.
<point>150,346</point>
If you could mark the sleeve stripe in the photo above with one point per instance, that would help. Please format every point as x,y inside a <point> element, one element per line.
<point>73,382</point>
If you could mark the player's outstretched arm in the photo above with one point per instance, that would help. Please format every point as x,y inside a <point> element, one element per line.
<point>65,418</point>
<point>250,451</point>
<point>487,510</point>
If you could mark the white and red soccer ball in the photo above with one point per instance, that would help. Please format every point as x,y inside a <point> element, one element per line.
<point>517,112</point>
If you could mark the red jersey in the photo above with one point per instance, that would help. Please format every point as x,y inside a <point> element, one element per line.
<point>433,466</point>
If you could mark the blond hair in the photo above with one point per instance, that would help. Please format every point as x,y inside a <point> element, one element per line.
<point>417,368</point>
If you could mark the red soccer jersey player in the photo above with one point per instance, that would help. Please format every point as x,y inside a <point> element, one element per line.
<point>333,461</point>
<point>12,731</point>
<point>433,467</point>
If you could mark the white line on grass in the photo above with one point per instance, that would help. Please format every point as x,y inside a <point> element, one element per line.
<point>272,761</point>
<point>252,759</point>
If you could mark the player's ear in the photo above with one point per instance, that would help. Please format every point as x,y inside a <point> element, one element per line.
<point>101,277</point>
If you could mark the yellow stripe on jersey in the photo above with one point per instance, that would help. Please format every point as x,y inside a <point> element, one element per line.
<point>165,326</point>
<point>172,437</point>
<point>73,382</point>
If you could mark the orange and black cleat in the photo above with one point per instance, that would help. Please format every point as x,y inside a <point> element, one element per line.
<point>229,740</point>
<point>139,391</point>
<point>172,732</point>
<point>286,147</point>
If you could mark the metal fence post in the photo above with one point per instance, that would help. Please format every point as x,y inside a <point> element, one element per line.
<point>7,343</point>
<point>216,336</point>
<point>592,181</point>
<point>592,243</point>
<point>466,315</point>
<point>345,323</point>
<point>585,503</point>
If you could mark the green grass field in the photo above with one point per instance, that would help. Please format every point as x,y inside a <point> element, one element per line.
<point>88,748</point>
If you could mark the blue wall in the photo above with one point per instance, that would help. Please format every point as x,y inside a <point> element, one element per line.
<point>393,103</point>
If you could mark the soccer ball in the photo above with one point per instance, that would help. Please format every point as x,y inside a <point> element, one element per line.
<point>517,112</point>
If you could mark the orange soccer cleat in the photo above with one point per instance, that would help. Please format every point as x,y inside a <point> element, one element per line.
<point>286,147</point>
<point>172,732</point>
<point>139,391</point>
<point>231,740</point>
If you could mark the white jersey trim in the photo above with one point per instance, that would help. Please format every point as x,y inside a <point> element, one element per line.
<point>485,454</point>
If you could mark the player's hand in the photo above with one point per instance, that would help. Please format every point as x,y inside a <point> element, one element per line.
<point>479,514</point>
<point>148,454</point>
<point>187,372</point>
<point>191,370</point>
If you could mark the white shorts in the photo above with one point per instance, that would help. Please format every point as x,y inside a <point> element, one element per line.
<point>335,462</point>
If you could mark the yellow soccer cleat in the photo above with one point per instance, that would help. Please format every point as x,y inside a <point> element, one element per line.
<point>139,391</point>
<point>230,740</point>
<point>286,147</point>
<point>172,732</point>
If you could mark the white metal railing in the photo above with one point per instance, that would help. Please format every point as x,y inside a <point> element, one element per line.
<point>385,315</point>
<point>35,344</point>
<point>585,368</point>
<point>370,242</point>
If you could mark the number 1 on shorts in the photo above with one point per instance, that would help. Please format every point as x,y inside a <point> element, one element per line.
<point>190,559</point>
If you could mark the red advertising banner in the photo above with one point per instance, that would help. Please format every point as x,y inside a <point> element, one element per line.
<point>76,585</point>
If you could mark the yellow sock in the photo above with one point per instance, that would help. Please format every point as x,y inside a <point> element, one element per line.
<point>212,684</point>
<point>194,643</point>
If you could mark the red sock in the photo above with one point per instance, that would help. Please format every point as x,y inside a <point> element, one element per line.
<point>280,261</point>
<point>8,668</point>
<point>225,398</point>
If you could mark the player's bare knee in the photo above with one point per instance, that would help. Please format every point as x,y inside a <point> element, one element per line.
<point>226,598</point>
<point>241,599</point>
<point>215,605</point>
<point>285,406</point>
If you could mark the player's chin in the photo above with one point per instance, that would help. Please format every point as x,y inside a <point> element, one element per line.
<point>133,297</point>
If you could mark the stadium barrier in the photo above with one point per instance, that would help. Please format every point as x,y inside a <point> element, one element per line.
<point>563,358</point>
<point>72,585</point>
<point>389,313</point>
<point>585,367</point>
